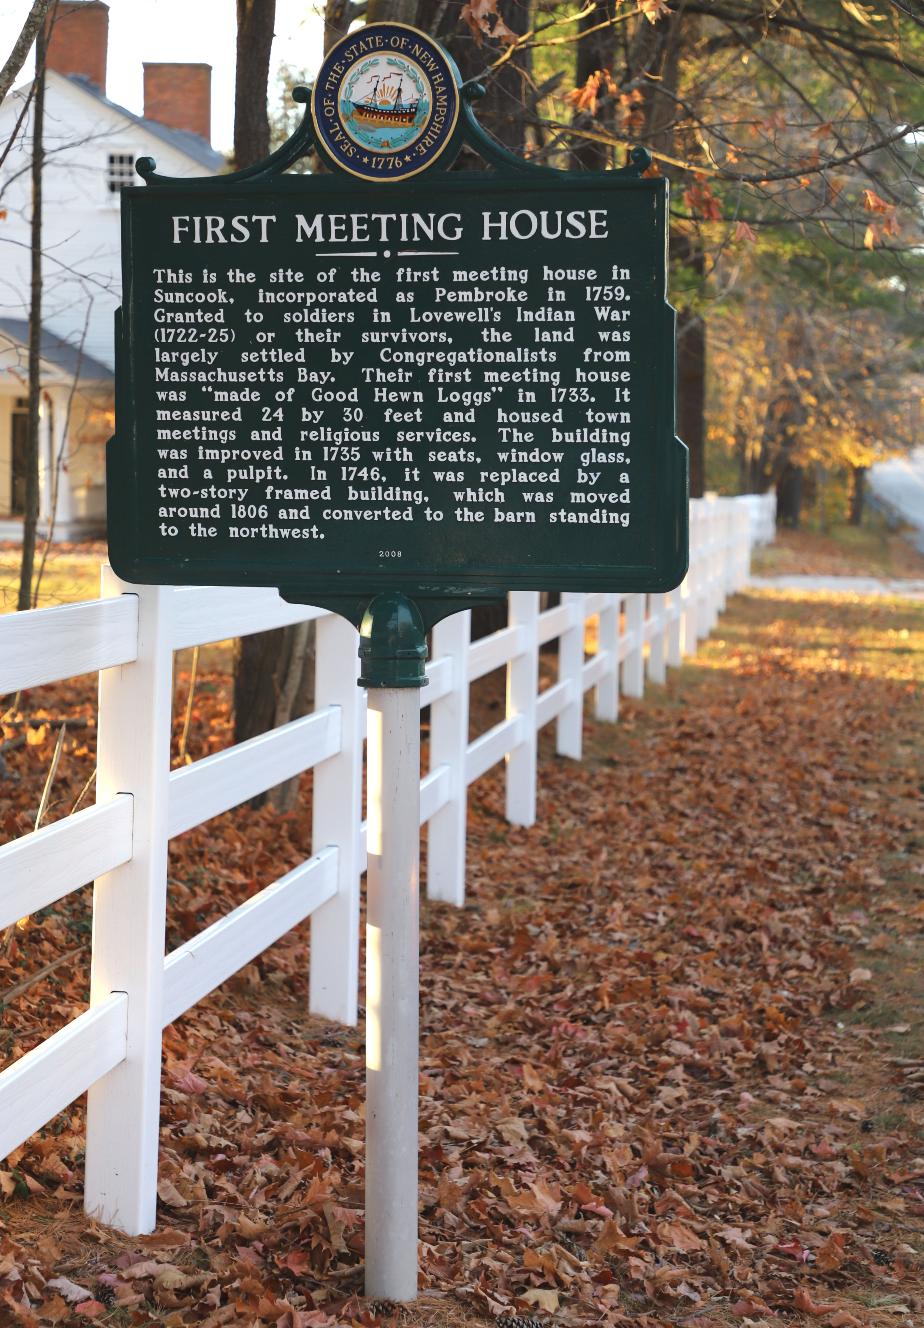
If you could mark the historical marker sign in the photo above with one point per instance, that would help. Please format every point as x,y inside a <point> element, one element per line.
<point>395,390</point>
<point>454,386</point>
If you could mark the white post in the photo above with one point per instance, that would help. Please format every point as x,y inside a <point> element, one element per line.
<point>673,604</point>
<point>522,690</point>
<point>657,666</point>
<point>570,723</point>
<point>688,609</point>
<point>715,564</point>
<point>694,582</point>
<point>704,571</point>
<point>606,695</point>
<point>736,554</point>
<point>725,552</point>
<point>448,747</point>
<point>705,620</point>
<point>129,906</point>
<point>336,820</point>
<point>633,673</point>
<point>746,543</point>
<point>392,983</point>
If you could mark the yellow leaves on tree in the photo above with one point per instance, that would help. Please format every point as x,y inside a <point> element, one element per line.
<point>585,98</point>
<point>880,208</point>
<point>873,203</point>
<point>602,87</point>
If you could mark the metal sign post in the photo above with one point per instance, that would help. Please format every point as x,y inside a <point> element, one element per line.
<point>396,391</point>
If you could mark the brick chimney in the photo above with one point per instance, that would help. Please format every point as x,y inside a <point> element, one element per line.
<point>78,39</point>
<point>179,96</point>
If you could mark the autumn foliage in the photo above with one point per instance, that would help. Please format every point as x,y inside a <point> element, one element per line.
<point>787,133</point>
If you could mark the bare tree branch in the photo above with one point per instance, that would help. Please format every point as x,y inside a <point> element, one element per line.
<point>868,49</point>
<point>17,57</point>
<point>767,177</point>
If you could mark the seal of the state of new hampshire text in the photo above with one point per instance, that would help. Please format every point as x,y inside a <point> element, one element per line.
<point>386,102</point>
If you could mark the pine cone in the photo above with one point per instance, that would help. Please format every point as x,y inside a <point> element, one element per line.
<point>382,1309</point>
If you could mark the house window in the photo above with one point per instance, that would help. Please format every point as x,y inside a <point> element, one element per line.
<point>120,171</point>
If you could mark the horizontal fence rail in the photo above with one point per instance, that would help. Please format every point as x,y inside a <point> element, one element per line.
<point>129,636</point>
<point>38,869</point>
<point>49,1078</point>
<point>209,959</point>
<point>47,645</point>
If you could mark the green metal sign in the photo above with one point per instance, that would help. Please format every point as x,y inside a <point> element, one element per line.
<point>452,387</point>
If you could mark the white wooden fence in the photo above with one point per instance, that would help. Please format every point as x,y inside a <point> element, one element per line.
<point>114,1048</point>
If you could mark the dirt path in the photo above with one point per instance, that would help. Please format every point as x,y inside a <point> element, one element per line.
<point>673,1054</point>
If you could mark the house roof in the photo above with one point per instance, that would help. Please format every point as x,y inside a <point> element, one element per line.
<point>192,145</point>
<point>61,354</point>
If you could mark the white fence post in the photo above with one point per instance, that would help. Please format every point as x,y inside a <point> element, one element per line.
<point>633,673</point>
<point>522,690</point>
<point>726,552</point>
<point>448,746</point>
<point>699,534</point>
<point>714,563</point>
<point>687,595</point>
<point>746,541</point>
<point>606,695</point>
<point>704,588</point>
<point>674,627</point>
<point>129,907</point>
<point>336,819</point>
<point>657,627</point>
<point>690,588</point>
<point>570,724</point>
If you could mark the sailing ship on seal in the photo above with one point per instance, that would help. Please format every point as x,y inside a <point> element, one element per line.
<point>384,104</point>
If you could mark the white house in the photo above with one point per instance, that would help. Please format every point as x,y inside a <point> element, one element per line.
<point>91,146</point>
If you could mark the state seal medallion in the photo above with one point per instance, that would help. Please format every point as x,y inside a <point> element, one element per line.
<point>385,102</point>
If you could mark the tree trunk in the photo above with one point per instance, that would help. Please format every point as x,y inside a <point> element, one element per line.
<point>31,515</point>
<point>415,12</point>
<point>691,365</point>
<point>595,53</point>
<point>691,395</point>
<point>655,58</point>
<point>336,22</point>
<point>784,422</point>
<point>509,107</point>
<point>273,683</point>
<point>789,494</point>
<point>506,111</point>
<point>255,22</point>
<point>857,494</point>
<point>273,671</point>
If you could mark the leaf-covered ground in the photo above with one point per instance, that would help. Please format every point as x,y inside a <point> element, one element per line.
<point>673,1048</point>
<point>872,549</point>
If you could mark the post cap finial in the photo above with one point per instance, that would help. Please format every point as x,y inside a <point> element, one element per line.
<point>392,643</point>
